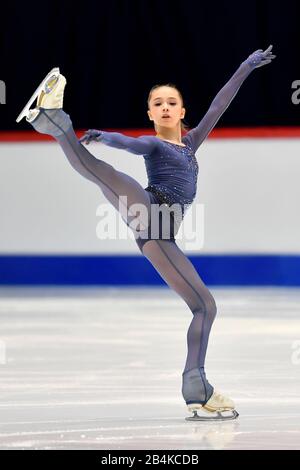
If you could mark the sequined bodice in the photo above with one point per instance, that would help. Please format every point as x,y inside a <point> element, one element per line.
<point>172,171</point>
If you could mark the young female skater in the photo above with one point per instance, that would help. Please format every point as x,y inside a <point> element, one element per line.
<point>172,173</point>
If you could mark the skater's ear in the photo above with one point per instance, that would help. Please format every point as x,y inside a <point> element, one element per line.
<point>150,115</point>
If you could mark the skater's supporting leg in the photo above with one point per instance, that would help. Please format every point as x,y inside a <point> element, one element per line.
<point>179,273</point>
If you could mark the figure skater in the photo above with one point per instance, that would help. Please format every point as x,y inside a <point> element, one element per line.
<point>172,178</point>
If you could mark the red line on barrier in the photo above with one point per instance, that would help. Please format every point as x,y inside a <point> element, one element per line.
<point>222,133</point>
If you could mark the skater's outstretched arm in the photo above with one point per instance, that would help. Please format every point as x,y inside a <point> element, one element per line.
<point>222,100</point>
<point>143,145</point>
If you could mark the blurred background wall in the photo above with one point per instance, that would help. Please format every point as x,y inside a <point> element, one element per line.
<point>112,53</point>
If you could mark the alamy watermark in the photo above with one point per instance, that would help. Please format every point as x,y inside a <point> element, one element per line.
<point>296,95</point>
<point>2,92</point>
<point>295,358</point>
<point>2,353</point>
<point>156,222</point>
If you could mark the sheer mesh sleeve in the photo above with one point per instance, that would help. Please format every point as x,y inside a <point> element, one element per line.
<point>220,103</point>
<point>143,145</point>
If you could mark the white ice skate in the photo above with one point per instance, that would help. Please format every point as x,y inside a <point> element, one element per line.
<point>45,87</point>
<point>215,406</point>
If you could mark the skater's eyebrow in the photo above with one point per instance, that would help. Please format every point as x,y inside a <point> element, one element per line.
<point>173,97</point>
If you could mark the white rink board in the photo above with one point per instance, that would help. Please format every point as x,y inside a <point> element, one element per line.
<point>249,187</point>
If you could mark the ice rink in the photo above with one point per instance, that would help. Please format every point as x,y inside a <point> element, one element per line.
<point>100,368</point>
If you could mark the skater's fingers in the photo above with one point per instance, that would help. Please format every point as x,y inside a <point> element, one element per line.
<point>269,49</point>
<point>268,56</point>
<point>264,62</point>
<point>85,139</point>
<point>90,135</point>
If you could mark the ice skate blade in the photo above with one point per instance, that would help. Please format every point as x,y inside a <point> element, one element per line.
<point>46,86</point>
<point>218,417</point>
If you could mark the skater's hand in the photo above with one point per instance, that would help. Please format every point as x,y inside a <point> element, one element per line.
<point>259,58</point>
<point>90,135</point>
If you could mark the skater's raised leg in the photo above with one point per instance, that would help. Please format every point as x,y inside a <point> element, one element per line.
<point>49,118</point>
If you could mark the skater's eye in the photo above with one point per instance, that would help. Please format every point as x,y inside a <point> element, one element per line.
<point>158,104</point>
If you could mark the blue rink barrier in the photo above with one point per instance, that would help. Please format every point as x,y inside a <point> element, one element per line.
<point>243,270</point>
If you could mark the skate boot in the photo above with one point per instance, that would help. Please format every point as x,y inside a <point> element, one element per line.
<point>200,395</point>
<point>48,116</point>
<point>45,87</point>
<point>218,406</point>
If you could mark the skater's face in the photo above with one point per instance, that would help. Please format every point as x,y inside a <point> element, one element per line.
<point>165,107</point>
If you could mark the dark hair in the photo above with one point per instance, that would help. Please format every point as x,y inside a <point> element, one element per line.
<point>184,125</point>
